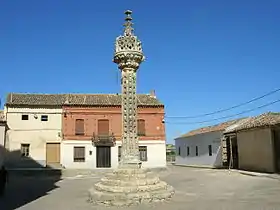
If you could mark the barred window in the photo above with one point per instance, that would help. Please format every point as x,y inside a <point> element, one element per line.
<point>79,127</point>
<point>79,154</point>
<point>143,153</point>
<point>119,153</point>
<point>188,151</point>
<point>24,149</point>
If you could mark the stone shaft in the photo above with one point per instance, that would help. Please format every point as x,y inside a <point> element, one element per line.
<point>130,151</point>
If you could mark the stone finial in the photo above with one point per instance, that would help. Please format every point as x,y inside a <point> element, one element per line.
<point>128,30</point>
<point>128,48</point>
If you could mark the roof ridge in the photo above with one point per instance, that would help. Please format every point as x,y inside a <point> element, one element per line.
<point>29,93</point>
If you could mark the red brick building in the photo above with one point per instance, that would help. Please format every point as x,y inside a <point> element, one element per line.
<point>91,130</point>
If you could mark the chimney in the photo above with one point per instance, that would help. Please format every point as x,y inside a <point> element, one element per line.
<point>153,93</point>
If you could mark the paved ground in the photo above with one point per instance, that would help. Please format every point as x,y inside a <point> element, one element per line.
<point>195,189</point>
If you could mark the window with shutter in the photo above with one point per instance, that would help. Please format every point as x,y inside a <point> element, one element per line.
<point>143,153</point>
<point>79,127</point>
<point>141,127</point>
<point>103,127</point>
<point>79,154</point>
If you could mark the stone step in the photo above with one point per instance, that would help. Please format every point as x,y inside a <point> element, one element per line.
<point>127,199</point>
<point>131,188</point>
<point>131,171</point>
<point>138,182</point>
<point>124,176</point>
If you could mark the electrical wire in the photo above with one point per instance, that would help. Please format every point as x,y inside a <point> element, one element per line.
<point>227,116</point>
<point>227,109</point>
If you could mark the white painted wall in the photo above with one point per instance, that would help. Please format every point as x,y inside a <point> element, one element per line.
<point>203,158</point>
<point>32,131</point>
<point>155,149</point>
<point>2,135</point>
<point>2,144</point>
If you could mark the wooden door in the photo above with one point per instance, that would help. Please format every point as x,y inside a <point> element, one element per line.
<point>103,157</point>
<point>277,150</point>
<point>53,153</point>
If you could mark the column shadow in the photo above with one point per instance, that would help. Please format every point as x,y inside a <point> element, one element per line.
<point>26,185</point>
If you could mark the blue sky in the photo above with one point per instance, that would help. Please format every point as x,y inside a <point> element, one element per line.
<point>201,55</point>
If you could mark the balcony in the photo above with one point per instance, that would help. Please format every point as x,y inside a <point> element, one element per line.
<point>104,139</point>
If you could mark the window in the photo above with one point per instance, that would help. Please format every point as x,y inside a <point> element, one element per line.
<point>79,154</point>
<point>179,151</point>
<point>44,117</point>
<point>79,127</point>
<point>141,127</point>
<point>24,117</point>
<point>196,150</point>
<point>103,127</point>
<point>188,151</point>
<point>143,153</point>
<point>25,149</point>
<point>210,150</point>
<point>119,153</point>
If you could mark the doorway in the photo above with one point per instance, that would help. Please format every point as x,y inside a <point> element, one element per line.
<point>234,150</point>
<point>103,157</point>
<point>53,153</point>
<point>230,148</point>
<point>277,150</point>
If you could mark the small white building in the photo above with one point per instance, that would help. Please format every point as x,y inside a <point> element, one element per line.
<point>31,129</point>
<point>201,147</point>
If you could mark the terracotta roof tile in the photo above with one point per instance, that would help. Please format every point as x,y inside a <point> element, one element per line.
<point>266,119</point>
<point>76,99</point>
<point>208,129</point>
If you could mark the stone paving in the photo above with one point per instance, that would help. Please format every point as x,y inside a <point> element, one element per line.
<point>195,189</point>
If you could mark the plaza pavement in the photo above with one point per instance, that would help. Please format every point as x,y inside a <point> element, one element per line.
<point>195,189</point>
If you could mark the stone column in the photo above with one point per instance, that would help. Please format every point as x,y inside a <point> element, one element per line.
<point>129,184</point>
<point>128,56</point>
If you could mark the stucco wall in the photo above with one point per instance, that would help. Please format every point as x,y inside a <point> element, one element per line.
<point>201,141</point>
<point>2,135</point>
<point>155,152</point>
<point>255,150</point>
<point>32,131</point>
<point>2,144</point>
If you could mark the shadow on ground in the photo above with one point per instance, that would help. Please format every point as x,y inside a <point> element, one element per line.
<point>26,185</point>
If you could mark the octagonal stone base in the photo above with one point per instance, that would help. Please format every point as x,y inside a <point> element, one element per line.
<point>125,187</point>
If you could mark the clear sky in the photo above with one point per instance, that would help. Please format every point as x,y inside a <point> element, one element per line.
<point>201,55</point>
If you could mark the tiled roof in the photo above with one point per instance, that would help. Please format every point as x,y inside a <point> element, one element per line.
<point>208,129</point>
<point>2,116</point>
<point>76,99</point>
<point>266,119</point>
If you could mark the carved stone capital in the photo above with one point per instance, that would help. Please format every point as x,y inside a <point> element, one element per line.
<point>128,60</point>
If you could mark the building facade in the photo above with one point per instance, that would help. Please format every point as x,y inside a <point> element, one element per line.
<point>34,124</point>
<point>79,130</point>
<point>254,144</point>
<point>201,147</point>
<point>92,132</point>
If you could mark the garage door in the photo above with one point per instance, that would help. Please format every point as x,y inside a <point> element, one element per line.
<point>53,153</point>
